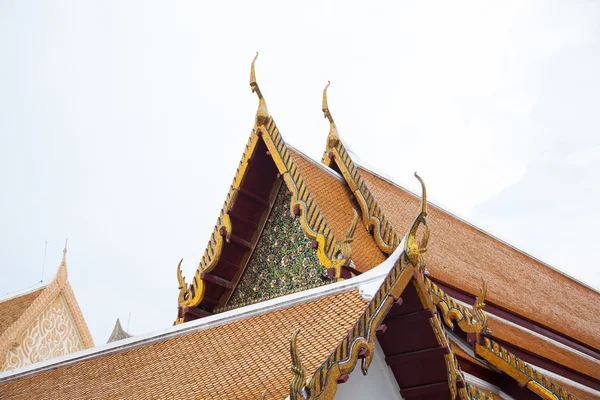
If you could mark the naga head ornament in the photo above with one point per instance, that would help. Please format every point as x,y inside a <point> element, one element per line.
<point>346,248</point>
<point>262,114</point>
<point>414,251</point>
<point>298,381</point>
<point>332,138</point>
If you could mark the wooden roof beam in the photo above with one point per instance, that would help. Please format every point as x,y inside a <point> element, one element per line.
<point>417,355</point>
<point>424,390</point>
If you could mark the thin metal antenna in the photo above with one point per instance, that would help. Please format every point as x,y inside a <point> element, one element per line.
<point>44,264</point>
<point>128,320</point>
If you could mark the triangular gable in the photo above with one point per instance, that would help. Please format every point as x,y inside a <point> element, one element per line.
<point>266,163</point>
<point>53,313</point>
<point>402,316</point>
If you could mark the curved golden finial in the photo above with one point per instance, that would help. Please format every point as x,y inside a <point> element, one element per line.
<point>414,251</point>
<point>423,196</point>
<point>262,113</point>
<point>345,247</point>
<point>181,281</point>
<point>478,313</point>
<point>333,137</point>
<point>298,381</point>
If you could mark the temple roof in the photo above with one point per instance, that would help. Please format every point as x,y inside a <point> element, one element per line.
<point>12,307</point>
<point>462,255</point>
<point>118,333</point>
<point>230,355</point>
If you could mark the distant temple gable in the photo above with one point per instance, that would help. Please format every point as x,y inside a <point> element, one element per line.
<point>43,324</point>
<point>266,164</point>
<point>118,333</point>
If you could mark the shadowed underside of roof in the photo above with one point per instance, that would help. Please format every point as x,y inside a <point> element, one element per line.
<point>236,360</point>
<point>11,310</point>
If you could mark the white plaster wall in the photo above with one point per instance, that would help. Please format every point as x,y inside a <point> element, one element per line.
<point>378,384</point>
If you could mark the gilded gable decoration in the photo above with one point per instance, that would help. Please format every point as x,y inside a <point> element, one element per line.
<point>527,376</point>
<point>346,248</point>
<point>298,381</point>
<point>373,218</point>
<point>414,250</point>
<point>261,113</point>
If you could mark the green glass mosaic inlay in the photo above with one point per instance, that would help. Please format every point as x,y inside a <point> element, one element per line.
<point>283,261</point>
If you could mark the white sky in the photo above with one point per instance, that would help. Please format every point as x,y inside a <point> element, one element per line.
<point>121,125</point>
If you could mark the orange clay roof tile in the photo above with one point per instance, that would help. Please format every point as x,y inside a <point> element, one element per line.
<point>237,360</point>
<point>461,255</point>
<point>11,310</point>
<point>333,198</point>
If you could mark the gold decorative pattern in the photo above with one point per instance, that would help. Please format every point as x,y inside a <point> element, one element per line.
<point>312,221</point>
<point>414,250</point>
<point>454,374</point>
<point>476,393</point>
<point>343,359</point>
<point>454,312</point>
<point>345,247</point>
<point>52,334</point>
<point>261,113</point>
<point>298,381</point>
<point>478,313</point>
<point>372,215</point>
<point>521,371</point>
<point>59,286</point>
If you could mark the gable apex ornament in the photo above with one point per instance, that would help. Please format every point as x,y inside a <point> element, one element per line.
<point>262,114</point>
<point>414,250</point>
<point>332,138</point>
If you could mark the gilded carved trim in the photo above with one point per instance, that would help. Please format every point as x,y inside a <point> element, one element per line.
<point>372,215</point>
<point>298,381</point>
<point>454,312</point>
<point>59,286</point>
<point>343,359</point>
<point>313,222</point>
<point>521,371</point>
<point>477,393</point>
<point>190,295</point>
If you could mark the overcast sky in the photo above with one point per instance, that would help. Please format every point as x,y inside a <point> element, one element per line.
<point>122,124</point>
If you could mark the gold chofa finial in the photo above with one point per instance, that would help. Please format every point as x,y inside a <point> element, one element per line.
<point>298,381</point>
<point>181,281</point>
<point>478,312</point>
<point>262,113</point>
<point>423,197</point>
<point>414,251</point>
<point>333,137</point>
<point>64,259</point>
<point>345,247</point>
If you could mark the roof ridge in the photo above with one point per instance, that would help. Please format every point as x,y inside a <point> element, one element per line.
<point>22,292</point>
<point>458,217</point>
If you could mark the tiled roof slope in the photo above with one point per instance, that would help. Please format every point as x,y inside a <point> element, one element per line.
<point>333,198</point>
<point>238,360</point>
<point>462,255</point>
<point>11,310</point>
